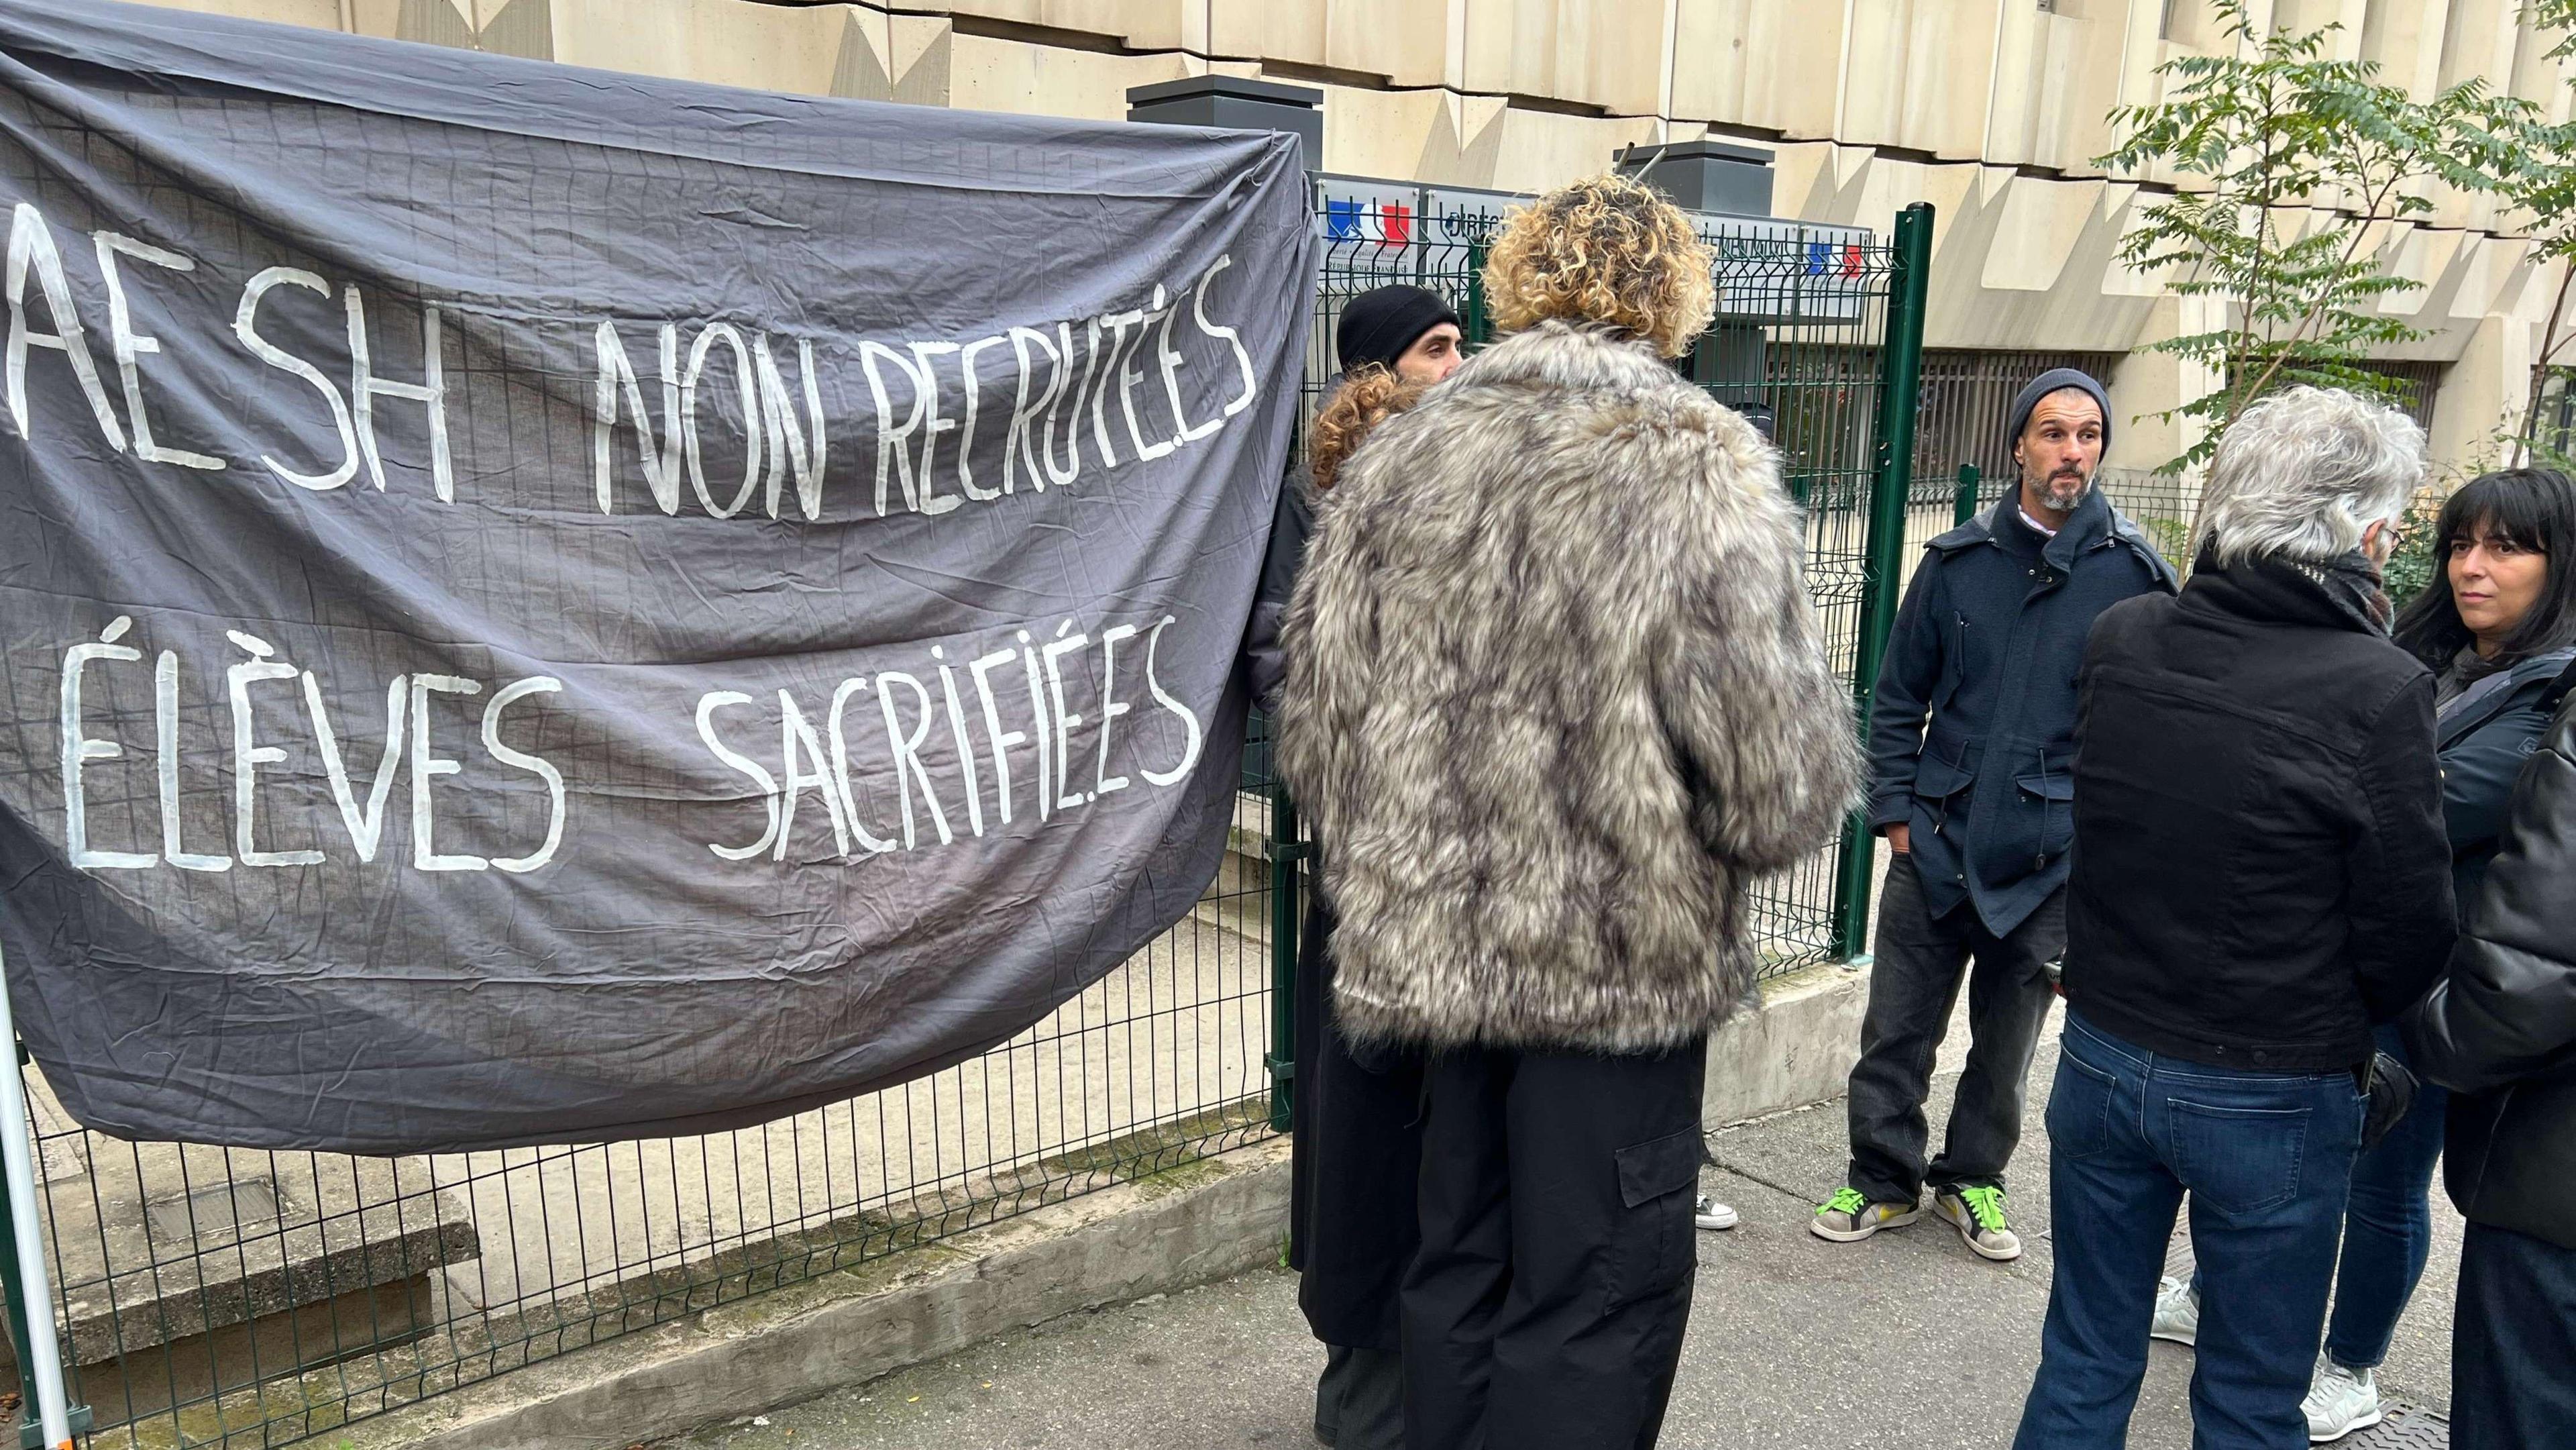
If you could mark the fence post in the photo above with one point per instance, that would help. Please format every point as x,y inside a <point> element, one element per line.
<point>1478,330</point>
<point>40,1363</point>
<point>1900,383</point>
<point>1285,852</point>
<point>10,1285</point>
<point>1964,507</point>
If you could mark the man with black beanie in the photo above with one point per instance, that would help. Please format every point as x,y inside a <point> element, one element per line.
<point>1410,332</point>
<point>1407,330</point>
<point>1971,749</point>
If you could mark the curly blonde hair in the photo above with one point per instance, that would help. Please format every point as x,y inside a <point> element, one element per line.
<point>1605,249</point>
<point>1368,397</point>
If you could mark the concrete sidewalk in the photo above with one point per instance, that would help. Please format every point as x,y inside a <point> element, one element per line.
<point>1905,1339</point>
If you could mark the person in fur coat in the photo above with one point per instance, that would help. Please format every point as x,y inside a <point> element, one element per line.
<point>1555,699</point>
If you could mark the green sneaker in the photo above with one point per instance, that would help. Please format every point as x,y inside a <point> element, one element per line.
<point>1977,1212</point>
<point>1849,1216</point>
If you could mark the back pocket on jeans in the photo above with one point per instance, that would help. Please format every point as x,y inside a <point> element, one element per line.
<point>2238,1160</point>
<point>1656,1247</point>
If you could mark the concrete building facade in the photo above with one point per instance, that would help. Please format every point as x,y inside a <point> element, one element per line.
<point>1990,109</point>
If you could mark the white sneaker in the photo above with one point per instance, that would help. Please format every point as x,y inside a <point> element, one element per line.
<point>1709,1213</point>
<point>2177,1313</point>
<point>2340,1401</point>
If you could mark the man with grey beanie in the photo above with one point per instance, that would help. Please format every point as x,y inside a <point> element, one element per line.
<point>1971,751</point>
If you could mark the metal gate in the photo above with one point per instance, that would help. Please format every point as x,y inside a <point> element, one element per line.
<point>214,1297</point>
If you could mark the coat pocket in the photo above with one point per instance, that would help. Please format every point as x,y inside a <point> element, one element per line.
<point>1936,779</point>
<point>2049,796</point>
<point>1954,663</point>
<point>1654,1249</point>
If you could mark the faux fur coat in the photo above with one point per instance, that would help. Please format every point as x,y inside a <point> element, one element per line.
<point>1555,697</point>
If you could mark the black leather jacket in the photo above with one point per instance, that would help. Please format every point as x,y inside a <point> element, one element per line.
<point>2500,1028</point>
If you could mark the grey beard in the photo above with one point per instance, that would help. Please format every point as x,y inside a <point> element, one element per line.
<point>2063,494</point>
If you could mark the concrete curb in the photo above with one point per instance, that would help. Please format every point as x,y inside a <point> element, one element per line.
<point>1796,1051</point>
<point>1113,1246</point>
<point>1224,1215</point>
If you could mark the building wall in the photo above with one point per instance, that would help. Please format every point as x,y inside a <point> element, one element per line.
<point>1990,109</point>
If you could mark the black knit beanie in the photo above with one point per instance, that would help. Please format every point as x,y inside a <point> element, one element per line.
<point>1380,326</point>
<point>2056,380</point>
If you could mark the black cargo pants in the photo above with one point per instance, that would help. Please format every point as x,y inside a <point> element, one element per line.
<point>1545,1306</point>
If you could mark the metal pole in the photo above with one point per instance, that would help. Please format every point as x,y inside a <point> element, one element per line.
<point>17,1297</point>
<point>1478,329</point>
<point>1284,855</point>
<point>1900,380</point>
<point>1964,507</point>
<point>40,1355</point>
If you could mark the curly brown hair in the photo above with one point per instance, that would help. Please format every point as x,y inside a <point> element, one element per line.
<point>1609,250</point>
<point>1366,398</point>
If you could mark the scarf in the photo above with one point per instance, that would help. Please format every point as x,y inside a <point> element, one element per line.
<point>2351,584</point>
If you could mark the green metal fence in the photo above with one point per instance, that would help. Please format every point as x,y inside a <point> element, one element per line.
<point>214,1297</point>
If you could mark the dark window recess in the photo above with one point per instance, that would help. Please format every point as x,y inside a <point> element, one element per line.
<point>2411,386</point>
<point>1966,401</point>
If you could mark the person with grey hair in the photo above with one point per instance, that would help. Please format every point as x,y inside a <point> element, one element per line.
<point>2261,877</point>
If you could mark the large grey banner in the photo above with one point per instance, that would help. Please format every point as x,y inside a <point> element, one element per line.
<point>540,605</point>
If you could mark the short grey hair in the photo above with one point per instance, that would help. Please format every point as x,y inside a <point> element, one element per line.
<point>2305,472</point>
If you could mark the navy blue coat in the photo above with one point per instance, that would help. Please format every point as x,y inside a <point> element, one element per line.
<point>2486,737</point>
<point>1972,733</point>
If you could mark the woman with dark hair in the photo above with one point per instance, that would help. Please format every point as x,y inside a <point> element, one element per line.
<point>2500,1031</point>
<point>2497,626</point>
<point>1358,1138</point>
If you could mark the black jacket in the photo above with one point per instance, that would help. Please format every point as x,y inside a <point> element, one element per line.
<point>1263,661</point>
<point>1973,722</point>
<point>2500,1029</point>
<point>2261,872</point>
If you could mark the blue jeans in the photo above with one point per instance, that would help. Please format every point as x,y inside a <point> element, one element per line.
<point>2267,1159</point>
<point>2388,1228</point>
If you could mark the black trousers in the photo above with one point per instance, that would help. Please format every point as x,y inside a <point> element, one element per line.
<point>1913,985</point>
<point>1357,1153</point>
<point>1545,1306</point>
<point>1359,1399</point>
<point>2513,1343</point>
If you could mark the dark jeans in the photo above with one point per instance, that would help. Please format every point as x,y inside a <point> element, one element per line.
<point>1913,985</point>
<point>2387,1228</point>
<point>2267,1158</point>
<point>2513,1344</point>
<point>1545,1306</point>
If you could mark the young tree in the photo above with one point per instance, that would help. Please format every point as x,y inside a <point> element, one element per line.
<point>2293,164</point>
<point>2541,184</point>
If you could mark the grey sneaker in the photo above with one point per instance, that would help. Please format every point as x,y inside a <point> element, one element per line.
<point>1708,1213</point>
<point>2340,1401</point>
<point>1977,1212</point>
<point>1849,1216</point>
<point>2177,1313</point>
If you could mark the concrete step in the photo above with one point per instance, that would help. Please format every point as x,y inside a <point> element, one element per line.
<point>185,1270</point>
